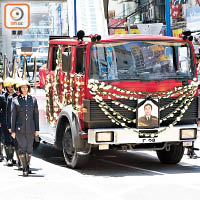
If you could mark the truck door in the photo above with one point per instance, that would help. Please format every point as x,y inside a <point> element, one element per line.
<point>79,77</point>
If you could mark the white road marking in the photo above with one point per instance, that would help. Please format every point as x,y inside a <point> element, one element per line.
<point>131,167</point>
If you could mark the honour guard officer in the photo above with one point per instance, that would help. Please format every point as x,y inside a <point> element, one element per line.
<point>2,104</point>
<point>9,102</point>
<point>8,143</point>
<point>25,124</point>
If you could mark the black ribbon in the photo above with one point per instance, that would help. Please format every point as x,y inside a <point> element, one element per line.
<point>148,98</point>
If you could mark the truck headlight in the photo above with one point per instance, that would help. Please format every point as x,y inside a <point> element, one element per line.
<point>104,136</point>
<point>188,133</point>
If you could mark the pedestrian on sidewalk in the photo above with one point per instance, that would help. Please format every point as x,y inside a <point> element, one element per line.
<point>25,124</point>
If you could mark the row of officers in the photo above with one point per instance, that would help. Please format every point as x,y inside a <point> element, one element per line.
<point>19,123</point>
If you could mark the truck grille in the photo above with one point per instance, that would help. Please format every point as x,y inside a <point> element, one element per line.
<point>97,119</point>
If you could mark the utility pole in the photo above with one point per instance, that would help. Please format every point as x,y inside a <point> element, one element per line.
<point>167,16</point>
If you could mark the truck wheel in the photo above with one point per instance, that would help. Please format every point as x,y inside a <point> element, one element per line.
<point>173,156</point>
<point>72,158</point>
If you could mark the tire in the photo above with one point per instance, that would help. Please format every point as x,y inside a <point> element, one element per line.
<point>173,156</point>
<point>72,158</point>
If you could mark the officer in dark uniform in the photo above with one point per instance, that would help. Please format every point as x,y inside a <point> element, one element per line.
<point>2,106</point>
<point>25,124</point>
<point>8,141</point>
<point>14,141</point>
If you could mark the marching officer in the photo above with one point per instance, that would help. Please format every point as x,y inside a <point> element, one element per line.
<point>9,102</point>
<point>8,142</point>
<point>2,109</point>
<point>25,124</point>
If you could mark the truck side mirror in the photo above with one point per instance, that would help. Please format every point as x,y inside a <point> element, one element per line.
<point>66,61</point>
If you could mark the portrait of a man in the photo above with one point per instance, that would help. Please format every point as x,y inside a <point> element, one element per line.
<point>148,118</point>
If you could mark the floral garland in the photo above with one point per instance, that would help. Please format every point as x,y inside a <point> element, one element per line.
<point>76,91</point>
<point>55,99</point>
<point>100,90</point>
<point>54,104</point>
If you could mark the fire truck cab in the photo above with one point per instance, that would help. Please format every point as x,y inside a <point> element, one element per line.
<point>136,92</point>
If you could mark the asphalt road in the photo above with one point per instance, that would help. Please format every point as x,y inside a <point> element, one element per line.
<point>108,175</point>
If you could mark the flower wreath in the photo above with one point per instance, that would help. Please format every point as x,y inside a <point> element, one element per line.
<point>101,89</point>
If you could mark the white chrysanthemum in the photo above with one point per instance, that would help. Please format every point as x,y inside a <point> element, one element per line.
<point>90,86</point>
<point>107,87</point>
<point>123,124</point>
<point>94,88</point>
<point>171,126</point>
<point>183,111</point>
<point>106,113</point>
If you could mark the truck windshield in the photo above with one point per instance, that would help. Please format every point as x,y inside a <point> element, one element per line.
<point>141,60</point>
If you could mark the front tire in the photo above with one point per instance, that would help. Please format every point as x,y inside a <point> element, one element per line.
<point>72,158</point>
<point>173,156</point>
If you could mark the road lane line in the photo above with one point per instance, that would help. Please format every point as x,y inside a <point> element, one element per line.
<point>131,167</point>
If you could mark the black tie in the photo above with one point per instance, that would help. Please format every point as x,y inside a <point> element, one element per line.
<point>24,98</point>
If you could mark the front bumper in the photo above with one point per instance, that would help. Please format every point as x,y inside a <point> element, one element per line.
<point>128,136</point>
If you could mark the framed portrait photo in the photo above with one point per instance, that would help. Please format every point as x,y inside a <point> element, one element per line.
<point>148,115</point>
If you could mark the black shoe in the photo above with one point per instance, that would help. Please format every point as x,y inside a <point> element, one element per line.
<point>25,172</point>
<point>19,166</point>
<point>192,155</point>
<point>14,162</point>
<point>9,163</point>
<point>1,158</point>
<point>29,170</point>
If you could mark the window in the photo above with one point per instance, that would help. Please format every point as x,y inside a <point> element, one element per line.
<point>80,59</point>
<point>141,60</point>
<point>54,58</point>
<point>67,59</point>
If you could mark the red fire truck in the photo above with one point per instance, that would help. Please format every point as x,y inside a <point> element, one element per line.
<point>125,92</point>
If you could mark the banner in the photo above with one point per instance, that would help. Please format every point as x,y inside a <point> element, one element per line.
<point>89,17</point>
<point>152,29</point>
<point>193,18</point>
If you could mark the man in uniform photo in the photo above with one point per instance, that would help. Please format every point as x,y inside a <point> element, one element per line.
<point>148,119</point>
